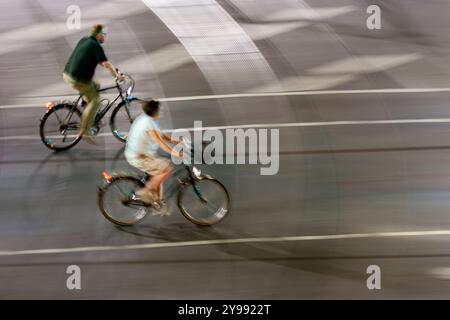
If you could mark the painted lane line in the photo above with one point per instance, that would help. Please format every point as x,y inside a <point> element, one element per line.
<point>29,137</point>
<point>308,93</point>
<point>268,126</point>
<point>228,241</point>
<point>275,94</point>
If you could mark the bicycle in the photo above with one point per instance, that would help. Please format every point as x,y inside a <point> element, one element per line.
<point>61,122</point>
<point>196,191</point>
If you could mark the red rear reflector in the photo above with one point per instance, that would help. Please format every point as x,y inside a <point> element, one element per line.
<point>106,176</point>
<point>50,105</point>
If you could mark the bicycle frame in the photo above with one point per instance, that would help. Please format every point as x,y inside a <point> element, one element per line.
<point>189,179</point>
<point>101,113</point>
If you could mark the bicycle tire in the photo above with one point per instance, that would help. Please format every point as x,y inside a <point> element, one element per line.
<point>201,222</point>
<point>114,127</point>
<point>101,199</point>
<point>44,119</point>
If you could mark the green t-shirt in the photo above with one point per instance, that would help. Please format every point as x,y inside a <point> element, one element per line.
<point>84,59</point>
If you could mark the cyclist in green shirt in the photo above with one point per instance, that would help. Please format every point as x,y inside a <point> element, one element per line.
<point>80,69</point>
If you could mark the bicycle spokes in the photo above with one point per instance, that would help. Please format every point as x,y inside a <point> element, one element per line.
<point>118,202</point>
<point>122,118</point>
<point>198,193</point>
<point>59,127</point>
<point>206,202</point>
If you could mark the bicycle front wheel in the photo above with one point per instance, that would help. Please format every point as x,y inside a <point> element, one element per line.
<point>60,126</point>
<point>204,203</point>
<point>117,201</point>
<point>123,116</point>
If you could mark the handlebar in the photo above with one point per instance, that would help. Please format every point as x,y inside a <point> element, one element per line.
<point>126,78</point>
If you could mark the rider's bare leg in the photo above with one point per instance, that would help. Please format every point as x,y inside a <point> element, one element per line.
<point>155,183</point>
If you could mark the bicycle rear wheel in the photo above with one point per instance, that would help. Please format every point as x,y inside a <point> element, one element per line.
<point>59,127</point>
<point>117,201</point>
<point>123,116</point>
<point>205,203</point>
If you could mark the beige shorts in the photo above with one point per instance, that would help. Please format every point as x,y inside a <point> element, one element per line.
<point>150,164</point>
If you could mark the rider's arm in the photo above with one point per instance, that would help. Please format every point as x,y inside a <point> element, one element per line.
<point>159,139</point>
<point>168,138</point>
<point>110,67</point>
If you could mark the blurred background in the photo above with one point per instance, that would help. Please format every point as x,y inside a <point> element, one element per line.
<point>374,160</point>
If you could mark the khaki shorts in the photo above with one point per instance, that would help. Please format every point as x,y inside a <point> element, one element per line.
<point>89,91</point>
<point>150,164</point>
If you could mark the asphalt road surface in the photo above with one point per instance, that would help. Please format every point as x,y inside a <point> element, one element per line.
<point>364,163</point>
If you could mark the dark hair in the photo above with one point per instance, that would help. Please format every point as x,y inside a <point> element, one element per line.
<point>151,107</point>
<point>96,29</point>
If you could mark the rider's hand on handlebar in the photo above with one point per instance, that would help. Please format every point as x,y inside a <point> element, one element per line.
<point>120,78</point>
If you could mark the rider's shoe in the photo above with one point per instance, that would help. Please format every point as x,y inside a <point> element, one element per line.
<point>93,131</point>
<point>161,209</point>
<point>159,206</point>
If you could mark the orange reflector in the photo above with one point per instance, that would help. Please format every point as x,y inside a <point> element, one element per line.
<point>50,105</point>
<point>106,176</point>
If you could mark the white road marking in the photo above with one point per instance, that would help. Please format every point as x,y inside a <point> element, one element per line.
<point>308,93</point>
<point>440,273</point>
<point>319,124</point>
<point>229,241</point>
<point>22,106</point>
<point>31,137</point>
<point>272,94</point>
<point>8,138</point>
<point>41,101</point>
<point>306,83</point>
<point>268,126</point>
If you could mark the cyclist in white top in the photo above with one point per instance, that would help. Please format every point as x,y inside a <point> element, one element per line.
<point>143,142</point>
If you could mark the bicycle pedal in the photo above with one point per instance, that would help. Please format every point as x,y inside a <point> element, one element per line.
<point>93,131</point>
